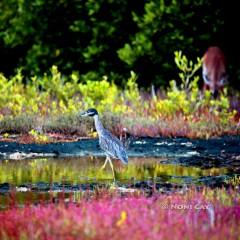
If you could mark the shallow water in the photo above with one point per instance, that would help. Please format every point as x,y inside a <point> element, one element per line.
<point>162,164</point>
<point>86,169</point>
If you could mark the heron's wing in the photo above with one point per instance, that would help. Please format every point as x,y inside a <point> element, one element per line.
<point>113,146</point>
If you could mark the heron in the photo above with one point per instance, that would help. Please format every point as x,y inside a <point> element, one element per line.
<point>111,145</point>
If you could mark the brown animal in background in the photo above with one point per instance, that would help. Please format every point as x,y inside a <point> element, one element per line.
<point>214,70</point>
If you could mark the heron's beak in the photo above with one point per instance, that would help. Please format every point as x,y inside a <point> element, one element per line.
<point>83,114</point>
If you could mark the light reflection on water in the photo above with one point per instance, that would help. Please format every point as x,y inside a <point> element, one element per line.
<point>50,179</point>
<point>86,169</point>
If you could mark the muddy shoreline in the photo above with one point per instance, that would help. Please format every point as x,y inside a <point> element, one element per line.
<point>224,151</point>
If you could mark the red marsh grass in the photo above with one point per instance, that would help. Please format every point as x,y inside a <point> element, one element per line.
<point>209,214</point>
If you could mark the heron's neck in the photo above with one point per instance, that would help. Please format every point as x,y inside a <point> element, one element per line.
<point>98,124</point>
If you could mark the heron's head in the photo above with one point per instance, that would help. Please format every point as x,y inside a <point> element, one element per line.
<point>91,112</point>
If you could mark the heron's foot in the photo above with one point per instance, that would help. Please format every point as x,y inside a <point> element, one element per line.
<point>113,185</point>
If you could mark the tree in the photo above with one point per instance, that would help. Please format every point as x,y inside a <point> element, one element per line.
<point>107,37</point>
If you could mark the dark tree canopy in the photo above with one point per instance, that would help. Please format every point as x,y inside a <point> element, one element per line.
<point>108,37</point>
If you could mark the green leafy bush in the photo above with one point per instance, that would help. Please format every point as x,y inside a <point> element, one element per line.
<point>106,37</point>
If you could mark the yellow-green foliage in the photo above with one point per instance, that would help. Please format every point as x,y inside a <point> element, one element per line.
<point>39,137</point>
<point>55,94</point>
<point>187,98</point>
<point>101,94</point>
<point>183,98</point>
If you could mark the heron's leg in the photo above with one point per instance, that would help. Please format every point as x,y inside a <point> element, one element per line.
<point>110,161</point>
<point>104,165</point>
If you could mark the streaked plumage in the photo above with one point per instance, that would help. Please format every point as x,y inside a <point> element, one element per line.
<point>113,147</point>
<point>110,144</point>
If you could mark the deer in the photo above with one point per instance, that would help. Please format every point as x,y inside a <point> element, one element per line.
<point>214,71</point>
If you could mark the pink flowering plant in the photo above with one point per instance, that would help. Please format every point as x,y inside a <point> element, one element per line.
<point>208,214</point>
